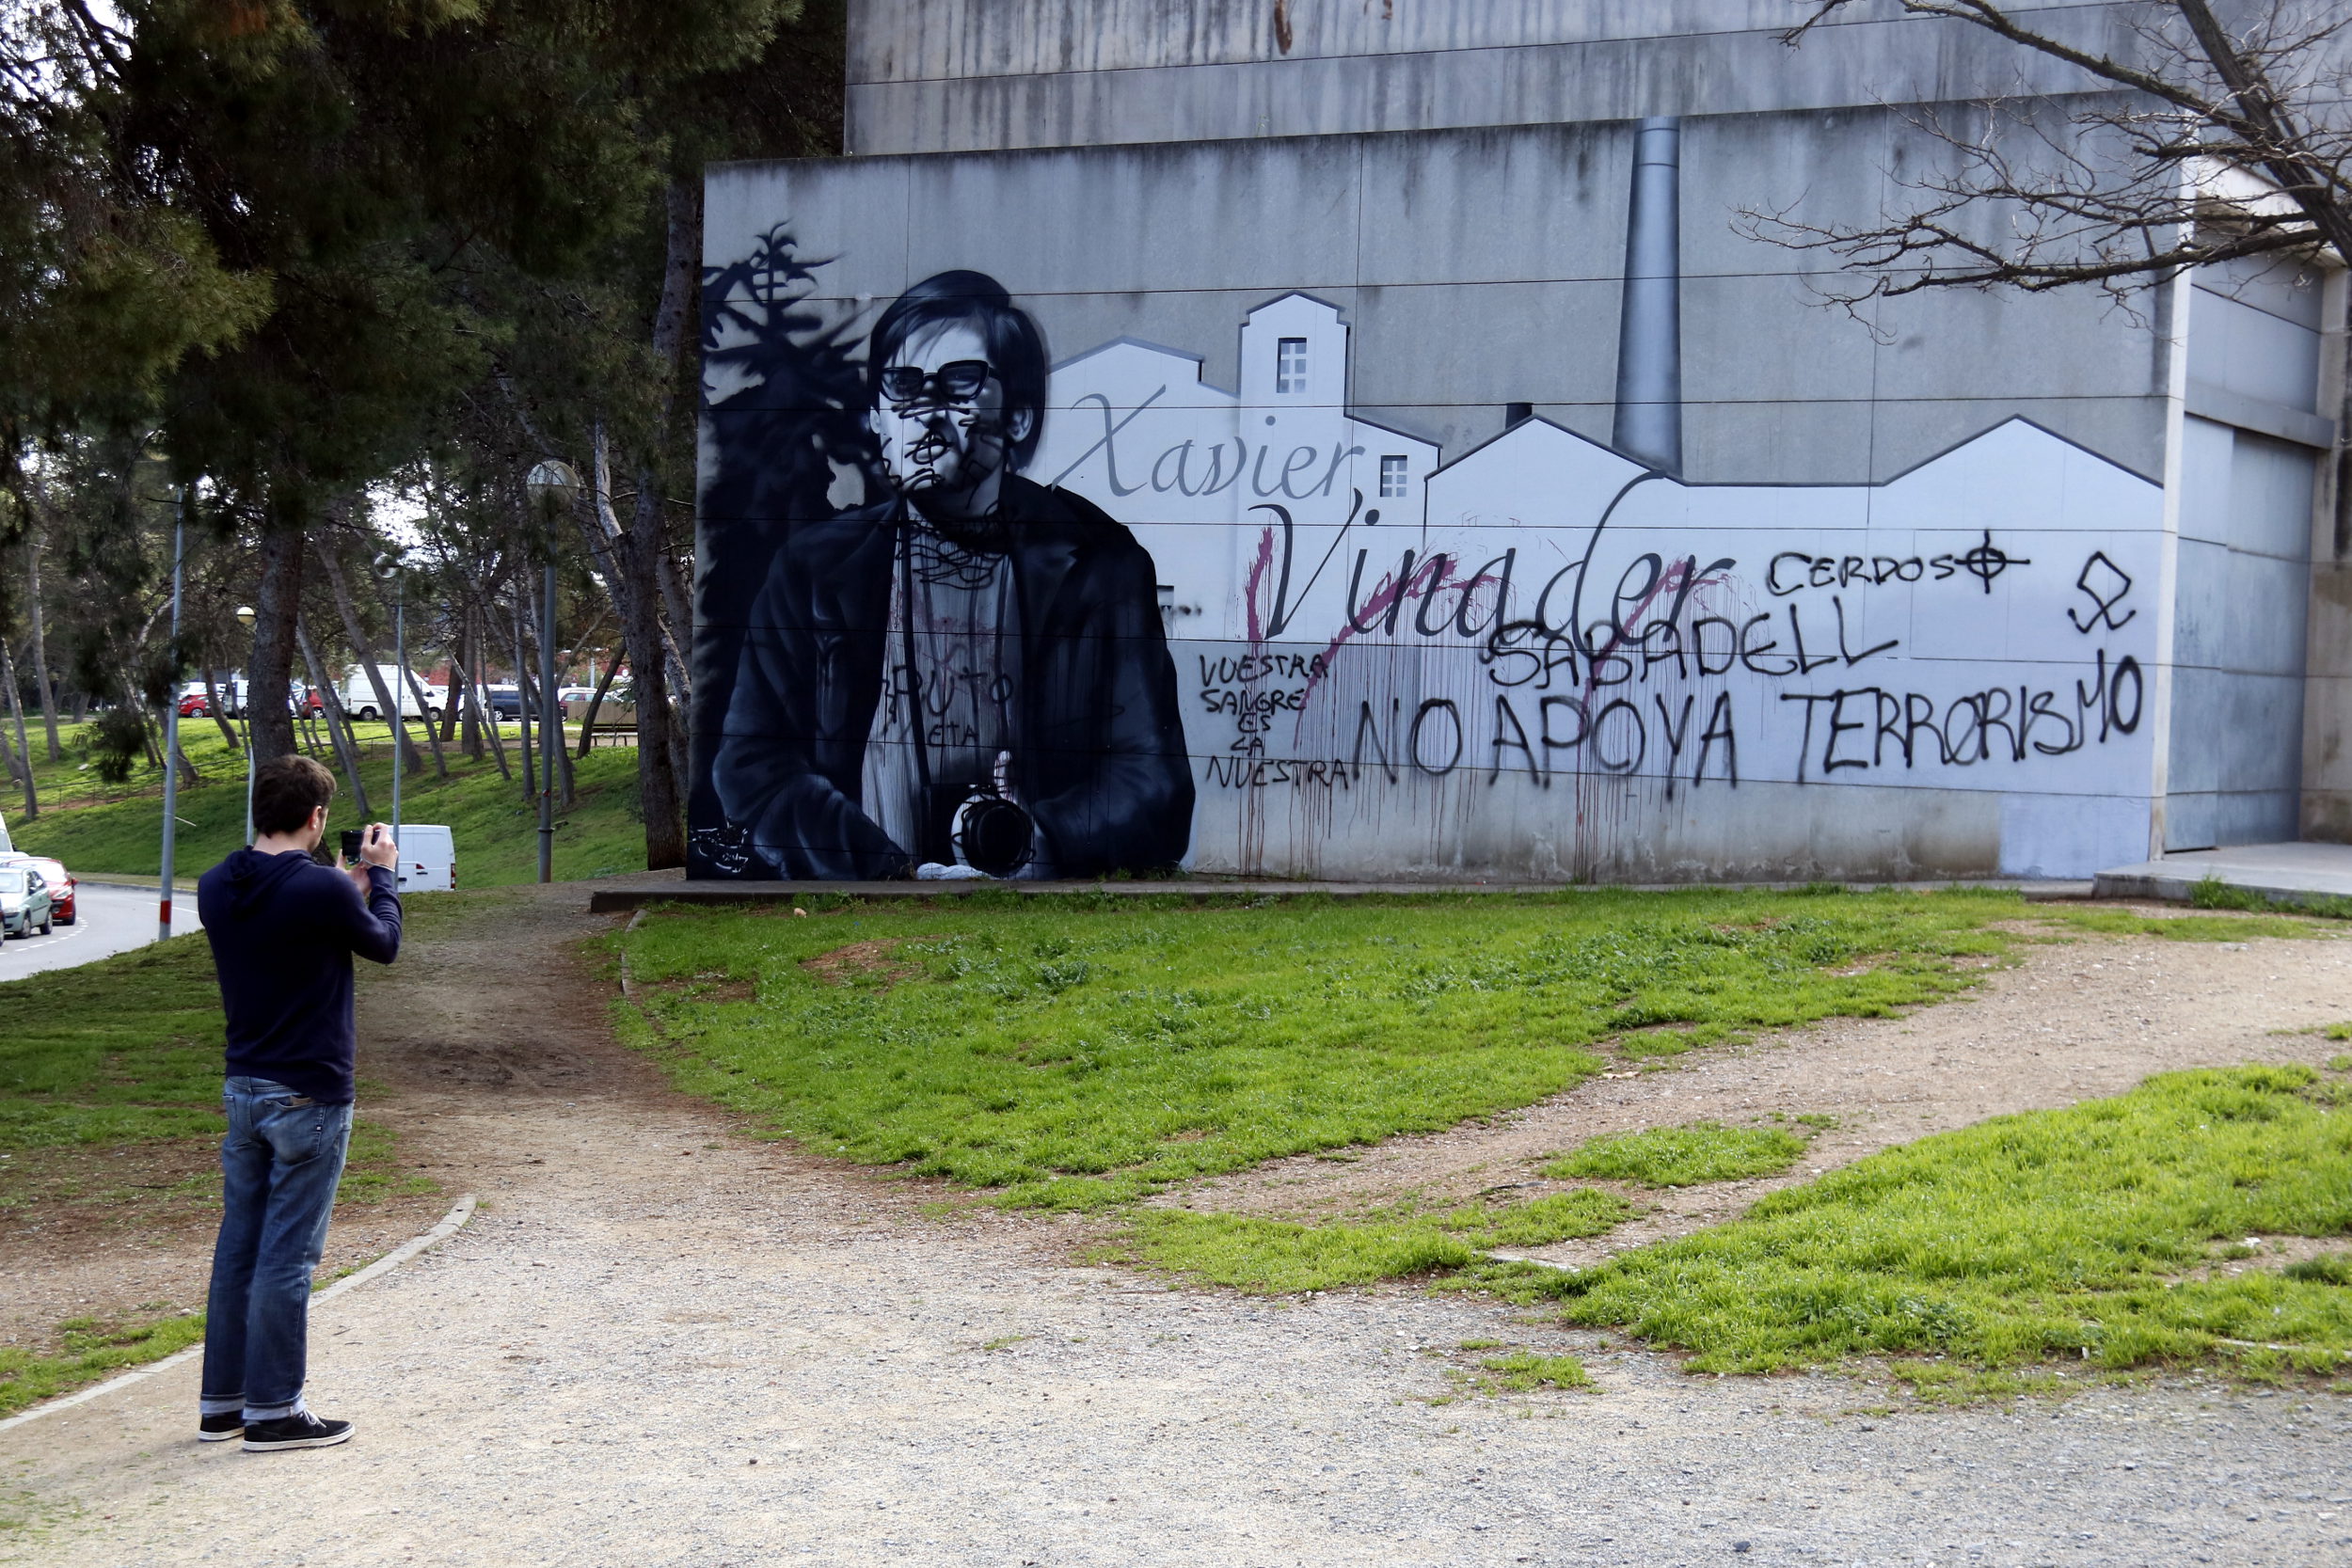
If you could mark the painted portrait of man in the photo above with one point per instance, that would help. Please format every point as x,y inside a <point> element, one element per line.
<point>968,678</point>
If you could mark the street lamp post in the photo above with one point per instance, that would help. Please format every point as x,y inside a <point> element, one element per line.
<point>244,619</point>
<point>171,721</point>
<point>553,487</point>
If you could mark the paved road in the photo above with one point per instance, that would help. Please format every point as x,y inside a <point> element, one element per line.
<point>112,919</point>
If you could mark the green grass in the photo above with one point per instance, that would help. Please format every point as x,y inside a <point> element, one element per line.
<point>2212,893</point>
<point>2104,921</point>
<point>1523,1371</point>
<point>1278,1256</point>
<point>93,1350</point>
<point>1085,1049</point>
<point>2328,1268</point>
<point>99,830</point>
<point>1682,1156</point>
<point>123,1049</point>
<point>2064,1235</point>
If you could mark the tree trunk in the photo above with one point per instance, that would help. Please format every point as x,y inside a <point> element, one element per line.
<point>212,703</point>
<point>21,763</point>
<point>453,705</point>
<point>337,729</point>
<point>524,706</point>
<point>681,611</point>
<point>476,720</point>
<point>269,674</point>
<point>41,643</point>
<point>468,660</point>
<point>19,771</point>
<point>388,702</point>
<point>440,764</point>
<point>660,780</point>
<point>595,700</point>
<point>555,760</point>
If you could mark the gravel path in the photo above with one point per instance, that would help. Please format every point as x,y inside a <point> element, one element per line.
<point>661,1342</point>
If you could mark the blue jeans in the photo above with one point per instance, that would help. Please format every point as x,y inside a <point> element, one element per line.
<point>279,1167</point>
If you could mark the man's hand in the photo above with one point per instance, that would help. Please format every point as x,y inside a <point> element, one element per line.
<point>376,848</point>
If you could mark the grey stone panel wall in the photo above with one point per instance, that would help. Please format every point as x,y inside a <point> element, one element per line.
<point>956,75</point>
<point>1479,268</point>
<point>2244,580</point>
<point>1471,269</point>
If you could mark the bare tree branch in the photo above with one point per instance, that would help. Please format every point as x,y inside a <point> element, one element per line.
<point>2207,145</point>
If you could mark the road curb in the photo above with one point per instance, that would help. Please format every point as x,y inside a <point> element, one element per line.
<point>618,900</point>
<point>451,1224</point>
<point>135,885</point>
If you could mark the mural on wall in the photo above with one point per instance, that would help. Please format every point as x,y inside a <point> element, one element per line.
<point>963,616</point>
<point>968,676</point>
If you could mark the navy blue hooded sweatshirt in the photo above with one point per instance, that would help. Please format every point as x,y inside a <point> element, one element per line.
<point>283,928</point>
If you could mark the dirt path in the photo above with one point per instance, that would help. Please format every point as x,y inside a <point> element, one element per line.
<point>661,1342</point>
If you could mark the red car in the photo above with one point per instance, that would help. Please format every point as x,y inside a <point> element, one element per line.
<point>196,705</point>
<point>60,883</point>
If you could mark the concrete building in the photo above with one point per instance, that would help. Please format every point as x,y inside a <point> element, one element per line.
<point>1512,509</point>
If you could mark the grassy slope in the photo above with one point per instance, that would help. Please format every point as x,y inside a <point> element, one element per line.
<point>2069,1234</point>
<point>97,830</point>
<point>1684,1156</point>
<point>1078,1052</point>
<point>1084,1052</point>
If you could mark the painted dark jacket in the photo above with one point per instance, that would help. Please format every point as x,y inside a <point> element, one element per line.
<point>1100,761</point>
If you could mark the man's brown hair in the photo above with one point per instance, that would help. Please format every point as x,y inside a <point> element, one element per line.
<point>286,791</point>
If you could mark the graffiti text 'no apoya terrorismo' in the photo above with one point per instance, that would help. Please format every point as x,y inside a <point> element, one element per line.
<point>1655,627</point>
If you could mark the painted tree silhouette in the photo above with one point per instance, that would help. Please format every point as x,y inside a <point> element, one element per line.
<point>793,419</point>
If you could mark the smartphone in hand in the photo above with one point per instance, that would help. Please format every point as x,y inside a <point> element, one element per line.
<point>353,838</point>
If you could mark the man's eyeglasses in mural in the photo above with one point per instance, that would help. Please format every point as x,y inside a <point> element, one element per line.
<point>959,381</point>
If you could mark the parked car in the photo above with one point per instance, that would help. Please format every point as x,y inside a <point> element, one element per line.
<point>25,903</point>
<point>196,705</point>
<point>504,703</point>
<point>61,886</point>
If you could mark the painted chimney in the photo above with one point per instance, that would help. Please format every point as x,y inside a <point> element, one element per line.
<point>1649,327</point>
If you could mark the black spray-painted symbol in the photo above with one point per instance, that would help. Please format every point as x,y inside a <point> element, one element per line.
<point>1989,560</point>
<point>2107,585</point>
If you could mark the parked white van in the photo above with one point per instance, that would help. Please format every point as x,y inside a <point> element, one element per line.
<point>428,858</point>
<point>357,694</point>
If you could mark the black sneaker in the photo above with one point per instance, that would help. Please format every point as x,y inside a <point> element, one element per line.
<point>299,1430</point>
<point>219,1429</point>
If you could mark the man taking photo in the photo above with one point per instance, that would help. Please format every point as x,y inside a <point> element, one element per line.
<point>283,928</point>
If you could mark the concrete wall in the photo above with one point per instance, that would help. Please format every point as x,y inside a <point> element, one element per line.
<point>2249,463</point>
<point>1486,267</point>
<point>957,75</point>
<point>2328,645</point>
<point>1892,614</point>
